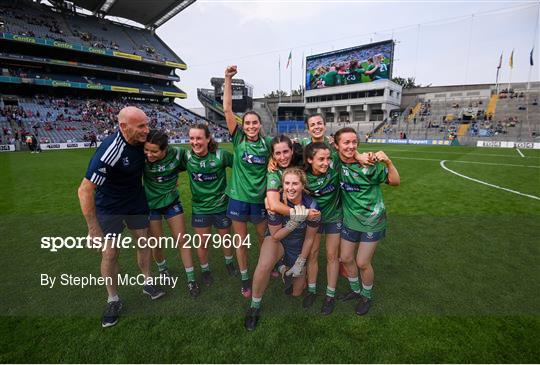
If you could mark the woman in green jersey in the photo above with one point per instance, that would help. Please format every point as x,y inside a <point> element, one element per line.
<point>163,163</point>
<point>323,184</point>
<point>322,171</point>
<point>247,187</point>
<point>316,127</point>
<point>283,155</point>
<point>206,164</point>
<point>364,214</point>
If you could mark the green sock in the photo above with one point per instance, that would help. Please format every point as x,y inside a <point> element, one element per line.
<point>312,288</point>
<point>228,260</point>
<point>162,265</point>
<point>190,273</point>
<point>355,284</point>
<point>205,267</point>
<point>255,302</point>
<point>366,290</point>
<point>244,274</point>
<point>331,292</point>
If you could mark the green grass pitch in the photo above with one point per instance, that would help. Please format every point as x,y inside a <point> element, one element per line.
<point>457,277</point>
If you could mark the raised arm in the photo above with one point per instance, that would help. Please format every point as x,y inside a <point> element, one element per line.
<point>230,71</point>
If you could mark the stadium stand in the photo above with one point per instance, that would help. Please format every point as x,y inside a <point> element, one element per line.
<point>87,79</point>
<point>69,119</point>
<point>509,115</point>
<point>65,74</point>
<point>40,21</point>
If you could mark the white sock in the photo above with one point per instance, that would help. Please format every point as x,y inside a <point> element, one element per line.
<point>114,298</point>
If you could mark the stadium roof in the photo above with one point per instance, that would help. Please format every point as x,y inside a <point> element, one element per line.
<point>150,13</point>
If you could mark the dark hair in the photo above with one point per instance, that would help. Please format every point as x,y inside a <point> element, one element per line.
<point>298,155</point>
<point>296,159</point>
<point>339,132</point>
<point>212,144</point>
<point>279,139</point>
<point>311,149</point>
<point>308,117</point>
<point>155,136</point>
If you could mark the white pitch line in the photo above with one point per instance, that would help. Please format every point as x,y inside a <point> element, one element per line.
<point>456,153</point>
<point>521,153</point>
<point>473,162</point>
<point>485,183</point>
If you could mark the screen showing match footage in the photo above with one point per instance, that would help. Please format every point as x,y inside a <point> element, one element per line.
<point>355,65</point>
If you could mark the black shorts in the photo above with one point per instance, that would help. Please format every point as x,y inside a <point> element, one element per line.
<point>117,222</point>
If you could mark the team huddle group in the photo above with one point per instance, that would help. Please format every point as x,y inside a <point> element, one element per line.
<point>292,193</point>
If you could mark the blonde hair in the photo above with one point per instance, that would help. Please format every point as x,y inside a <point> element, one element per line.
<point>296,171</point>
<point>301,175</point>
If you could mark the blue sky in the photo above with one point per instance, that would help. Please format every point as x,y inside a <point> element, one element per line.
<point>439,43</point>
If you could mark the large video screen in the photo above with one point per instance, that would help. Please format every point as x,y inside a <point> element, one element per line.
<point>367,63</point>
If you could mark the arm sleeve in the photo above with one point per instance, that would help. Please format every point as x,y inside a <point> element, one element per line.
<point>273,181</point>
<point>237,135</point>
<point>381,174</point>
<point>97,170</point>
